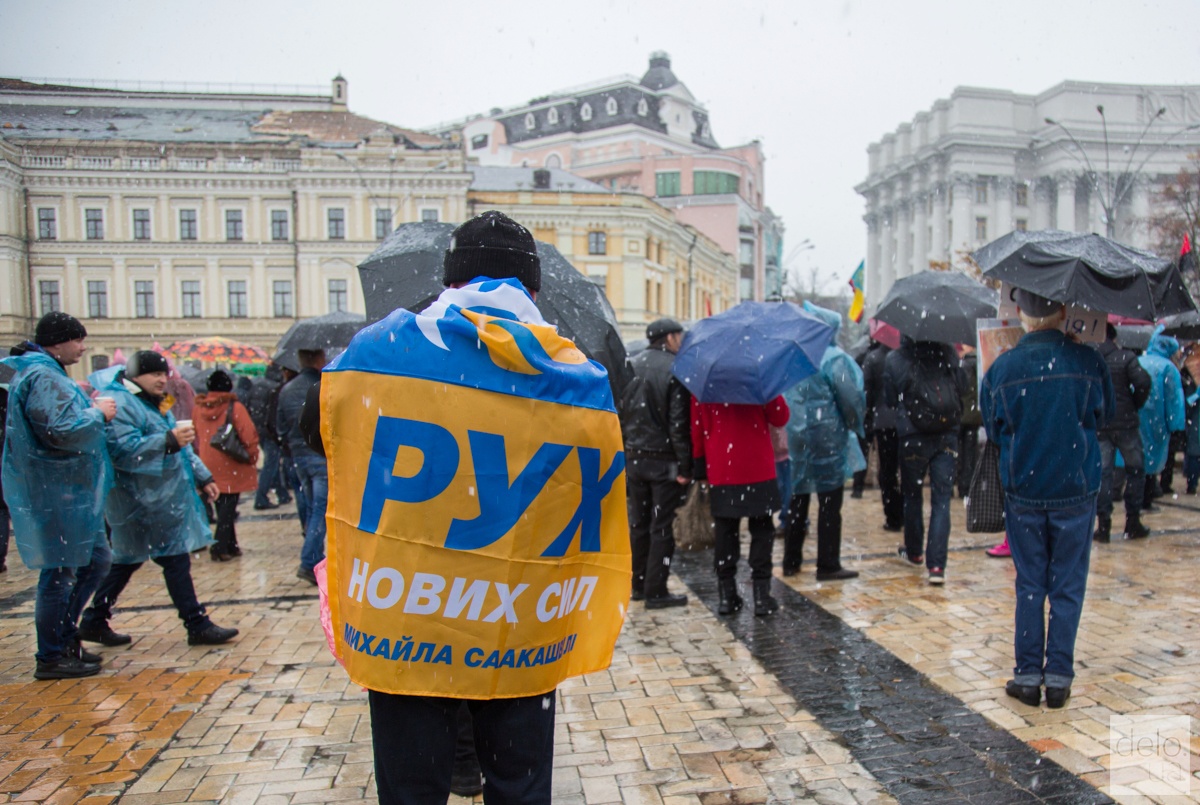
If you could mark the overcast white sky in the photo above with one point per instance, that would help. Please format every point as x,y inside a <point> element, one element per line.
<point>815,81</point>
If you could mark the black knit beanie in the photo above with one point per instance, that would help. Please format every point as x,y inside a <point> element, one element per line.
<point>57,327</point>
<point>219,381</point>
<point>145,361</point>
<point>495,246</point>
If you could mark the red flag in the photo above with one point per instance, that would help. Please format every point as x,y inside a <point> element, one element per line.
<point>1187,245</point>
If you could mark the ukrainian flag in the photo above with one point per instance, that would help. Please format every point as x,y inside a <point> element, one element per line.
<point>856,282</point>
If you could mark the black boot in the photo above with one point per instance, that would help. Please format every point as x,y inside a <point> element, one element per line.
<point>1134,529</point>
<point>730,601</point>
<point>1103,529</point>
<point>764,604</point>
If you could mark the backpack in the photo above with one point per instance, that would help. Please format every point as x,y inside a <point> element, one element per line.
<point>931,396</point>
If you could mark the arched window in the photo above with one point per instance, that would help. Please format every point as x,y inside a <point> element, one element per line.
<point>552,116</point>
<point>554,161</point>
<point>530,121</point>
<point>585,111</point>
<point>610,105</point>
<point>643,108</point>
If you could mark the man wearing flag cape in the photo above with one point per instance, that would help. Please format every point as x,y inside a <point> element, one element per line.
<point>478,543</point>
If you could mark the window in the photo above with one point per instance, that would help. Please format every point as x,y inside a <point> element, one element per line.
<point>337,296</point>
<point>552,116</point>
<point>981,191</point>
<point>281,291</point>
<point>479,141</point>
<point>585,112</point>
<point>336,218</point>
<point>610,105</point>
<point>143,299</point>
<point>667,184</point>
<point>980,229</point>
<point>141,224</point>
<point>187,224</point>
<point>746,252</point>
<point>47,224</point>
<point>190,299</point>
<point>48,291</point>
<point>643,108</point>
<point>94,223</point>
<point>99,362</point>
<point>233,225</point>
<point>530,121</point>
<point>97,299</point>
<point>279,225</point>
<point>597,243</point>
<point>429,216</point>
<point>383,223</point>
<point>1022,195</point>
<point>706,182</point>
<point>1021,225</point>
<point>237,299</point>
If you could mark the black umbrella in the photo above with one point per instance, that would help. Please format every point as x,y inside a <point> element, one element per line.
<point>989,256</point>
<point>1183,325</point>
<point>331,333</point>
<point>1092,271</point>
<point>1134,336</point>
<point>406,272</point>
<point>938,306</point>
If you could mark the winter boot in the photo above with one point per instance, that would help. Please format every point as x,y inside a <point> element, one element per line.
<point>1103,529</point>
<point>730,602</point>
<point>764,604</point>
<point>1134,529</point>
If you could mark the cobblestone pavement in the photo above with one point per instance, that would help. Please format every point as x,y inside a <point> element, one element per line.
<point>878,690</point>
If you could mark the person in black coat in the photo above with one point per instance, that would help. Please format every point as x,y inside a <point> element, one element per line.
<point>880,425</point>
<point>1131,387</point>
<point>656,425</point>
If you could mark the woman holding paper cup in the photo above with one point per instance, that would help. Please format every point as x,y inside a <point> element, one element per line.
<point>217,409</point>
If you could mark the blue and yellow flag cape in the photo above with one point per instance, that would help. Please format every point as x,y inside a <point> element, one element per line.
<point>478,545</point>
<point>856,305</point>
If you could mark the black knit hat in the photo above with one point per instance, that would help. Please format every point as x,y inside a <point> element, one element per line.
<point>219,381</point>
<point>495,246</point>
<point>57,327</point>
<point>145,361</point>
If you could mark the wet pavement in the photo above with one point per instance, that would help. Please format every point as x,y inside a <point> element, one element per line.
<point>882,689</point>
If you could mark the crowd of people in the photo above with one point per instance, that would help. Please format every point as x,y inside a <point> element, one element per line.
<point>100,480</point>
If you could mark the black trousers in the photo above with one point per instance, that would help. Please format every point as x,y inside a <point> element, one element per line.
<point>177,573</point>
<point>652,496</point>
<point>226,534</point>
<point>1129,442</point>
<point>860,477</point>
<point>415,739</point>
<point>729,546</point>
<point>888,443</point>
<point>968,457</point>
<point>829,531</point>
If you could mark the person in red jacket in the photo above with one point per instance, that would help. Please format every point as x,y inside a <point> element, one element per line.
<point>231,476</point>
<point>732,443</point>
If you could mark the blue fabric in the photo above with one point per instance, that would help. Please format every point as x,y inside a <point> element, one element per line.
<point>752,353</point>
<point>1164,410</point>
<point>314,481</point>
<point>932,453</point>
<point>1051,549</point>
<point>62,593</point>
<point>1042,403</point>
<point>154,509</point>
<point>269,476</point>
<point>826,419</point>
<point>56,472</point>
<point>417,335</point>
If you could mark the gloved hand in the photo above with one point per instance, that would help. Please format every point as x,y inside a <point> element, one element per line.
<point>1195,398</point>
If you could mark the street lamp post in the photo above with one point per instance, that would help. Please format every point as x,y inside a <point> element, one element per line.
<point>1116,189</point>
<point>803,246</point>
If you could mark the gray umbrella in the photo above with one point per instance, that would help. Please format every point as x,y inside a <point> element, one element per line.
<point>938,306</point>
<point>1134,336</point>
<point>1183,325</point>
<point>406,272</point>
<point>331,333</point>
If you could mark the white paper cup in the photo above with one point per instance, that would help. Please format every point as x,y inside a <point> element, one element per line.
<point>184,423</point>
<point>98,399</point>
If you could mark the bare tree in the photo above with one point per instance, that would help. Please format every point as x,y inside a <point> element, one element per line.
<point>1176,213</point>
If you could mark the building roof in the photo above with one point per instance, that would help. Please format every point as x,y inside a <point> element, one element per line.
<point>506,179</point>
<point>659,76</point>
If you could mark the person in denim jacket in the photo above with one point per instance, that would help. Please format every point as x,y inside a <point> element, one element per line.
<point>1042,403</point>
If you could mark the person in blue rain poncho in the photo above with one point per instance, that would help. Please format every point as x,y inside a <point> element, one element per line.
<point>154,510</point>
<point>56,475</point>
<point>826,421</point>
<point>1163,412</point>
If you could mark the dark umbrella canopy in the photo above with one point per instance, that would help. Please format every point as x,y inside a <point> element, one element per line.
<point>1095,272</point>
<point>1183,325</point>
<point>938,306</point>
<point>406,272</point>
<point>1134,336</point>
<point>991,255</point>
<point>331,333</point>
<point>751,353</point>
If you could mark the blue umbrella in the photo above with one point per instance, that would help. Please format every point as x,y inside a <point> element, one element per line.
<point>751,353</point>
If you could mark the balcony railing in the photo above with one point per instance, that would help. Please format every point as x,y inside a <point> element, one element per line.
<point>94,163</point>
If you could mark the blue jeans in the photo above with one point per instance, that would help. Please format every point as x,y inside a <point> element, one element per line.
<point>62,593</point>
<point>314,481</point>
<point>414,740</point>
<point>292,476</point>
<point>935,454</point>
<point>1051,549</point>
<point>783,476</point>
<point>269,476</point>
<point>177,573</point>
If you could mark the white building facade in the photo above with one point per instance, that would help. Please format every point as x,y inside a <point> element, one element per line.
<point>1081,157</point>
